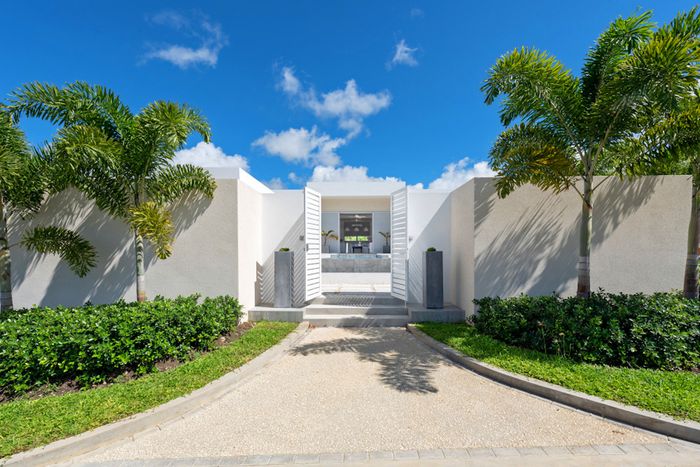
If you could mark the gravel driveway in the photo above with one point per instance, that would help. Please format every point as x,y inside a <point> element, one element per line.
<point>371,389</point>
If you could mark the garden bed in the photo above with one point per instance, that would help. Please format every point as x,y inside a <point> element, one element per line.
<point>25,423</point>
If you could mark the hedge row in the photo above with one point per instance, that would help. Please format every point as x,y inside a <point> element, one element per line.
<point>648,331</point>
<point>91,344</point>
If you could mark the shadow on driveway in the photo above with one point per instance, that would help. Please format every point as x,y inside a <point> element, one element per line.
<point>405,364</point>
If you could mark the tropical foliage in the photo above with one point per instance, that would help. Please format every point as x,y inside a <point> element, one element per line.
<point>120,159</point>
<point>562,130</point>
<point>673,146</point>
<point>643,331</point>
<point>91,343</point>
<point>26,178</point>
<point>328,235</point>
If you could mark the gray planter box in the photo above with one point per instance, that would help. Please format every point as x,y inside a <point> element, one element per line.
<point>284,279</point>
<point>432,280</point>
<point>386,249</point>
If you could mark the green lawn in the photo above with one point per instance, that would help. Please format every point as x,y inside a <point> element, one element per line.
<point>669,392</point>
<point>25,424</point>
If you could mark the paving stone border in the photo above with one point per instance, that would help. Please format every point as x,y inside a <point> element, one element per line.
<point>651,421</point>
<point>614,451</point>
<point>65,449</point>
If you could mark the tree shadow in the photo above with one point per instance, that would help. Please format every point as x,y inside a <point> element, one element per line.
<point>536,251</point>
<point>114,274</point>
<point>266,271</point>
<point>402,367</point>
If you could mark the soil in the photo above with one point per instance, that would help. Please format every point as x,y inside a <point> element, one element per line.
<point>162,365</point>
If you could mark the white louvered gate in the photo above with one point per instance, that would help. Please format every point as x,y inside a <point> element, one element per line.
<point>312,237</point>
<point>399,243</point>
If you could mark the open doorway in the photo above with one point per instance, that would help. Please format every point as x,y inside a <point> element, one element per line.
<point>356,253</point>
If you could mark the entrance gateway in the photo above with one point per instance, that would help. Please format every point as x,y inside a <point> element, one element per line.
<point>352,249</point>
<point>356,242</point>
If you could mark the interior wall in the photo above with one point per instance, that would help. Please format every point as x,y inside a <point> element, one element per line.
<point>429,225</point>
<point>381,222</point>
<point>330,221</point>
<point>356,204</point>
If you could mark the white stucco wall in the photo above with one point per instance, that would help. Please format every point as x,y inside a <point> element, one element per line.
<point>528,242</point>
<point>461,272</point>
<point>282,227</point>
<point>204,258</point>
<point>429,225</point>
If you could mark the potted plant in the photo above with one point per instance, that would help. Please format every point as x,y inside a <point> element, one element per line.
<point>284,275</point>
<point>432,279</point>
<point>328,234</point>
<point>387,246</point>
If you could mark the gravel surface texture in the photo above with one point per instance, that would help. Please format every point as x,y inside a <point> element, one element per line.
<point>370,389</point>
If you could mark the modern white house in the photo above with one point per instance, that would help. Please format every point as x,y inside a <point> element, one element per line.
<point>526,243</point>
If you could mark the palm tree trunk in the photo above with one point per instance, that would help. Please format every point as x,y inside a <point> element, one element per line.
<point>5,264</point>
<point>140,270</point>
<point>690,282</point>
<point>584,250</point>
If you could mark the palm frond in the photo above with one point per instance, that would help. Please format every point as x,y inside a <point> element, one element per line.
<point>161,129</point>
<point>622,37</point>
<point>174,181</point>
<point>71,247</point>
<point>529,153</point>
<point>13,149</point>
<point>76,104</point>
<point>154,223</point>
<point>537,89</point>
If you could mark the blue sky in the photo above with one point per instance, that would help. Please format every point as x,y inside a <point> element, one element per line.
<point>308,89</point>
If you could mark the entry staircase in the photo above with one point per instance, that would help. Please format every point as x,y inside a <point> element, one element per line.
<point>356,309</point>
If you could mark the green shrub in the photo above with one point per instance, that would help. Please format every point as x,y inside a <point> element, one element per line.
<point>93,343</point>
<point>646,331</point>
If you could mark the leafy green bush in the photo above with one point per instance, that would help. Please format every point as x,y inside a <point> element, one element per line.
<point>648,331</point>
<point>91,344</point>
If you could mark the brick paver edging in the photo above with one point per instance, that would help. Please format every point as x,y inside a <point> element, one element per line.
<point>64,449</point>
<point>658,423</point>
<point>549,455</point>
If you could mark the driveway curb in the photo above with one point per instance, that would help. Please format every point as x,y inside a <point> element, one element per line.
<point>67,448</point>
<point>658,423</point>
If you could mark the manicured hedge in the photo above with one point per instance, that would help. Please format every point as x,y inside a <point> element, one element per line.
<point>91,344</point>
<point>648,331</point>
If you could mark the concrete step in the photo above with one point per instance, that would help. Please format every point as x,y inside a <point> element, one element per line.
<point>357,299</point>
<point>372,310</point>
<point>357,321</point>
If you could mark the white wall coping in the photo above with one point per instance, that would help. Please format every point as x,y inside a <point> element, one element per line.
<point>236,173</point>
<point>367,189</point>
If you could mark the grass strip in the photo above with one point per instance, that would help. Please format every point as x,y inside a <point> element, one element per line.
<point>25,424</point>
<point>676,393</point>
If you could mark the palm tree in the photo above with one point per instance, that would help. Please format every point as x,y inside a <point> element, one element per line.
<point>328,234</point>
<point>562,130</point>
<point>673,146</point>
<point>122,160</point>
<point>24,183</point>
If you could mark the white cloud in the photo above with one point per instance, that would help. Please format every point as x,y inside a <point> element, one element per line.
<point>349,105</point>
<point>299,145</point>
<point>208,155</point>
<point>416,13</point>
<point>210,37</point>
<point>290,83</point>
<point>346,173</point>
<point>458,173</point>
<point>403,55</point>
<point>294,178</point>
<point>275,184</point>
